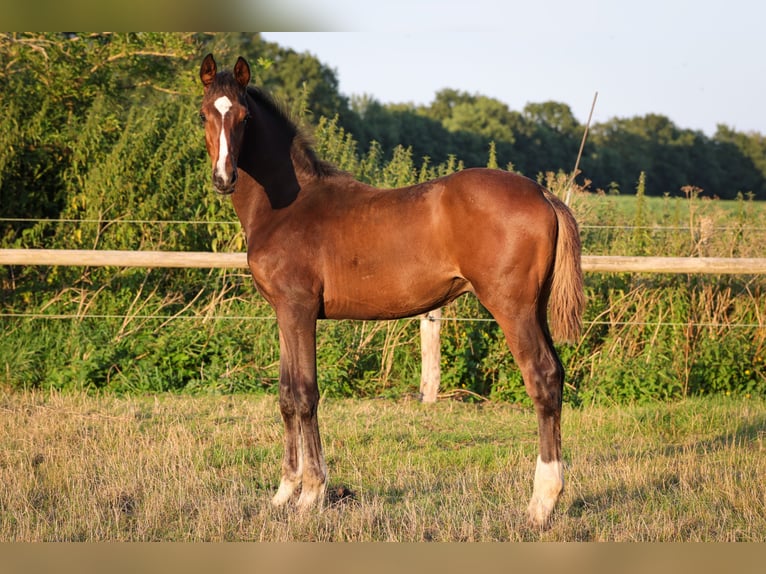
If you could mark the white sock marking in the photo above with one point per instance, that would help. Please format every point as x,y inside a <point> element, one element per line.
<point>549,482</point>
<point>549,478</point>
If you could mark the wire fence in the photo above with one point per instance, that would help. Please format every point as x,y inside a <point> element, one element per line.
<point>140,261</point>
<point>584,227</point>
<point>167,318</point>
<point>122,221</point>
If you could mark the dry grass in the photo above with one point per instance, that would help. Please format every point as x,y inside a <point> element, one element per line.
<point>76,467</point>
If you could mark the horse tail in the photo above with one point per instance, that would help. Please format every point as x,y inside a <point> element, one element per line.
<point>567,298</point>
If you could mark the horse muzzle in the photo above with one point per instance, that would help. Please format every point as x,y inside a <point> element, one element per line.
<point>225,186</point>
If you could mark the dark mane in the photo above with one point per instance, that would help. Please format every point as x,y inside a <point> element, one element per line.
<point>303,153</point>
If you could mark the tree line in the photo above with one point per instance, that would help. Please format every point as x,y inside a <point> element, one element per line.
<point>67,98</point>
<point>542,137</point>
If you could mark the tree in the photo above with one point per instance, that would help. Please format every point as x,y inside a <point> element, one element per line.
<point>555,116</point>
<point>299,80</point>
<point>488,117</point>
<point>743,160</point>
<point>441,109</point>
<point>51,85</point>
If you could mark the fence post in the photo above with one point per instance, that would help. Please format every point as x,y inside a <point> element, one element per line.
<point>430,350</point>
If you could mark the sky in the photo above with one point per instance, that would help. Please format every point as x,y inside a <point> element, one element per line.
<point>699,62</point>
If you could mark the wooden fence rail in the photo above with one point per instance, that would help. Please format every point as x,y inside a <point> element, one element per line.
<point>98,258</point>
<point>189,259</point>
<point>429,324</point>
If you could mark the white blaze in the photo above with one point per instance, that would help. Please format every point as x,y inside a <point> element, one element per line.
<point>223,105</point>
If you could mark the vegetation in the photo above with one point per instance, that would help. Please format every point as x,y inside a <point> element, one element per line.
<point>111,379</point>
<point>102,142</point>
<point>166,468</point>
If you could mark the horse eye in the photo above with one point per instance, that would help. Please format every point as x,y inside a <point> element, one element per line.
<point>202,118</point>
<point>246,119</point>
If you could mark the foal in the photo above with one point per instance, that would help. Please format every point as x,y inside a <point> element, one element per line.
<point>321,245</point>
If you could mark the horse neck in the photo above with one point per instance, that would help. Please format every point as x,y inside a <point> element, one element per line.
<point>272,177</point>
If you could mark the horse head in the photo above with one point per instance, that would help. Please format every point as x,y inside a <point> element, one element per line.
<point>224,113</point>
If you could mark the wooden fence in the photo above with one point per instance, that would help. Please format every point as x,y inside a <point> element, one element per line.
<point>430,324</point>
<point>188,259</point>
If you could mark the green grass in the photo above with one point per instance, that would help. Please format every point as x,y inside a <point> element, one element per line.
<point>663,209</point>
<point>181,468</point>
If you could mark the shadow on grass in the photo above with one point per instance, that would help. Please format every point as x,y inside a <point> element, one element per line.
<point>668,488</point>
<point>752,431</point>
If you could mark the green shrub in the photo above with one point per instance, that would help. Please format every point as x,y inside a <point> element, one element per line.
<point>123,165</point>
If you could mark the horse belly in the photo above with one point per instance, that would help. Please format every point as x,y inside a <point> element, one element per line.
<point>401,291</point>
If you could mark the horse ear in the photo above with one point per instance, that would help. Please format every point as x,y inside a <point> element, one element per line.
<point>242,72</point>
<point>207,70</point>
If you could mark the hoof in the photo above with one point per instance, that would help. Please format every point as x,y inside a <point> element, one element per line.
<point>310,497</point>
<point>539,513</point>
<point>285,492</point>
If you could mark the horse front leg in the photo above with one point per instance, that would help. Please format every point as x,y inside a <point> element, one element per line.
<point>292,461</point>
<point>303,462</point>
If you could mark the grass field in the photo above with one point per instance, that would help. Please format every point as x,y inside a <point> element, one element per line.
<point>76,467</point>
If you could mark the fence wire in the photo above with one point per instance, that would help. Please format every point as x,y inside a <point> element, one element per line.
<point>583,227</point>
<point>150,317</point>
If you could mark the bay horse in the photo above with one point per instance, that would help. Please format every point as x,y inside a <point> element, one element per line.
<point>322,245</point>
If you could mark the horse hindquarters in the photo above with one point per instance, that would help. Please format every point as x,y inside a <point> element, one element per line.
<point>514,284</point>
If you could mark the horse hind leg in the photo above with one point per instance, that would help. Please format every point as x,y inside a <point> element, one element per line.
<point>528,339</point>
<point>544,381</point>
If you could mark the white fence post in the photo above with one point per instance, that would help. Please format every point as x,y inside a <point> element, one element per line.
<point>430,350</point>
